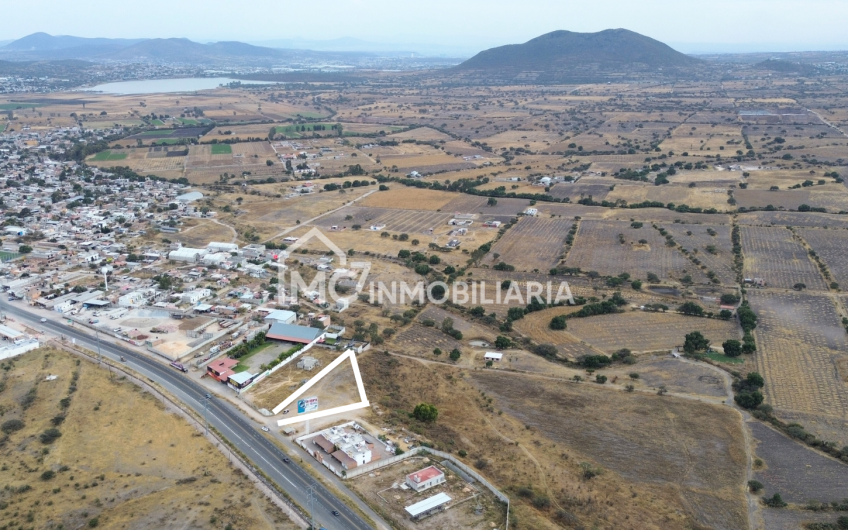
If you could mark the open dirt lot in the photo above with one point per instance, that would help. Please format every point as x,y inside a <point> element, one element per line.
<point>382,490</point>
<point>773,254</point>
<point>121,460</point>
<point>643,331</point>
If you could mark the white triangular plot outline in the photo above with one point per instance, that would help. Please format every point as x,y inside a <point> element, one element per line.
<point>363,399</point>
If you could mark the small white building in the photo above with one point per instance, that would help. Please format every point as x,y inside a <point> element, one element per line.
<point>425,479</point>
<point>342,304</point>
<point>492,356</point>
<point>282,316</point>
<point>193,297</point>
<point>216,246</point>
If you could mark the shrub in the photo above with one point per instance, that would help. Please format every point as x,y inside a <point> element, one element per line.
<point>47,475</point>
<point>50,435</point>
<point>775,501</point>
<point>502,342</point>
<point>558,323</point>
<point>425,412</point>
<point>755,486</point>
<point>455,355</point>
<point>691,309</point>
<point>749,400</point>
<point>11,426</point>
<point>546,350</point>
<point>600,379</point>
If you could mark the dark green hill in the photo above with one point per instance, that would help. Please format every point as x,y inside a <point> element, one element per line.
<point>612,49</point>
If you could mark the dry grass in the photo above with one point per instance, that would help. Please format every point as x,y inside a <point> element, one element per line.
<point>402,198</point>
<point>642,331</point>
<point>127,460</point>
<point>697,475</point>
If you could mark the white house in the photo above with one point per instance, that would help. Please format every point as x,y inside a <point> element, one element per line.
<point>193,297</point>
<point>492,356</point>
<point>215,246</point>
<point>134,298</point>
<point>425,479</point>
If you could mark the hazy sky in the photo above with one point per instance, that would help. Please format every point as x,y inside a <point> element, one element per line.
<point>688,25</point>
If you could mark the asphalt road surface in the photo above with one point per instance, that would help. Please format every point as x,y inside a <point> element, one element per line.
<point>229,422</point>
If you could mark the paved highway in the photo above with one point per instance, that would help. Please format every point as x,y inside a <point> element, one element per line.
<point>228,421</point>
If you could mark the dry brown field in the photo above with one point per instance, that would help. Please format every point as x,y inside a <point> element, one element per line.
<point>771,253</point>
<point>715,252</point>
<point>698,197</point>
<point>533,244</point>
<point>199,233</point>
<point>799,340</point>
<point>122,460</point>
<point>642,331</point>
<point>536,326</point>
<point>597,248</point>
<point>618,442</point>
<point>832,247</point>
<point>403,198</point>
<point>815,220</point>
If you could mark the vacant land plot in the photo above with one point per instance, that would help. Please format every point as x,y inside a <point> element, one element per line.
<point>676,375</point>
<point>596,188</point>
<point>642,331</point>
<point>534,243</point>
<point>598,247</point>
<point>795,471</point>
<point>832,247</point>
<point>201,233</point>
<point>221,149</point>
<point>713,251</point>
<point>799,339</point>
<point>537,326</point>
<point>403,198</point>
<point>121,460</point>
<point>704,459</point>
<point>793,219</point>
<point>772,254</point>
<point>699,197</point>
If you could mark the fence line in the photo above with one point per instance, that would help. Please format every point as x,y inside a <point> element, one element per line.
<point>367,468</point>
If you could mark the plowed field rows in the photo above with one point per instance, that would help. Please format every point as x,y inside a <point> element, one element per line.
<point>642,331</point>
<point>721,261</point>
<point>832,247</point>
<point>597,248</point>
<point>799,340</point>
<point>534,243</point>
<point>772,254</point>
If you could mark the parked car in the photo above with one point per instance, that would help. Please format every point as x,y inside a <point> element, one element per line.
<point>43,320</point>
<point>266,429</point>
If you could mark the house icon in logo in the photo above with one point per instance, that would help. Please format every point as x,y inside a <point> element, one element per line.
<point>308,237</point>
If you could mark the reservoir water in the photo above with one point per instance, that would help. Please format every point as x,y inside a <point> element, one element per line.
<point>160,86</point>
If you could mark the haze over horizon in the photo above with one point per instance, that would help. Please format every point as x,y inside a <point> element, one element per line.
<point>442,27</point>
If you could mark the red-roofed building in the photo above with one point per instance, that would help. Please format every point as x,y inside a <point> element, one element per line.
<point>221,369</point>
<point>425,479</point>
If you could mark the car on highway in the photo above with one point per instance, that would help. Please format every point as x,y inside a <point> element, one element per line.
<point>43,320</point>
<point>266,429</point>
<point>286,411</point>
<point>287,460</point>
<point>179,366</point>
<point>93,321</point>
<point>336,513</point>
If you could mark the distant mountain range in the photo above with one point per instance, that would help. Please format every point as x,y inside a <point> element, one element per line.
<point>41,46</point>
<point>560,51</point>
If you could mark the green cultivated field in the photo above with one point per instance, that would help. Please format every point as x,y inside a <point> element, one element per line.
<point>295,131</point>
<point>157,122</point>
<point>6,256</point>
<point>108,156</point>
<point>187,121</point>
<point>724,358</point>
<point>222,149</point>
<point>155,133</point>
<point>166,141</point>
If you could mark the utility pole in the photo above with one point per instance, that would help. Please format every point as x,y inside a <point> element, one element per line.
<point>99,355</point>
<point>205,407</point>
<point>310,498</point>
